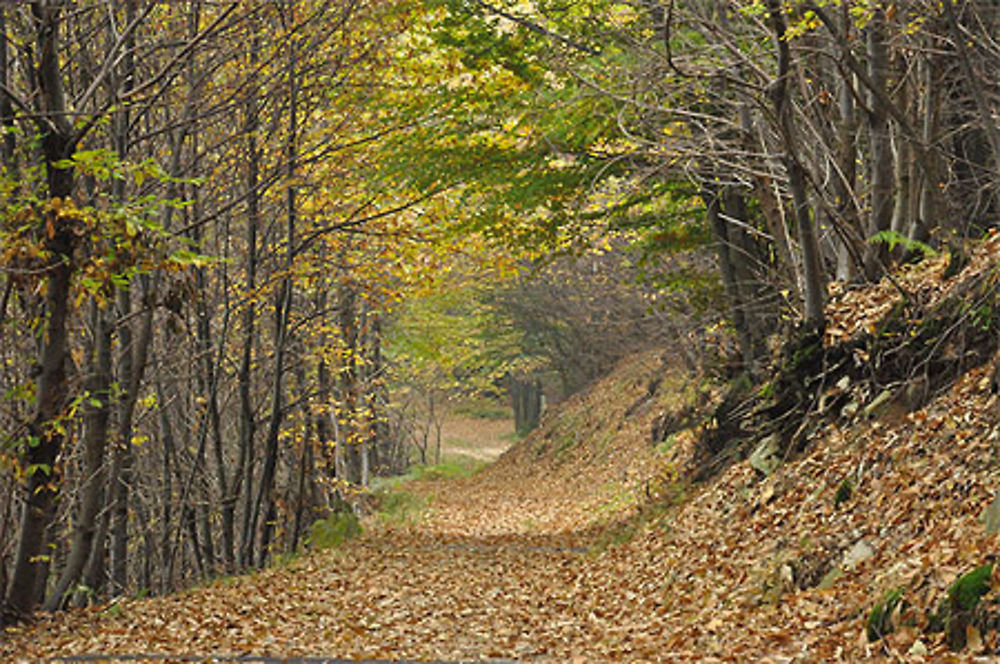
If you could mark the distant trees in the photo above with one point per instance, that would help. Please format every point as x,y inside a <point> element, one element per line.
<point>577,316</point>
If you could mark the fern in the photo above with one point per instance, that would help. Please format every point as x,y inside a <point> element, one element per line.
<point>894,239</point>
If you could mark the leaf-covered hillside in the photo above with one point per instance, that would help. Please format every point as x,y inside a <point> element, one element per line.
<point>528,559</point>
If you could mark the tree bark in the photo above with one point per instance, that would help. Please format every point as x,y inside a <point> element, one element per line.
<point>248,426</point>
<point>97,412</point>
<point>46,433</point>
<point>813,280</point>
<point>282,311</point>
<point>880,147</point>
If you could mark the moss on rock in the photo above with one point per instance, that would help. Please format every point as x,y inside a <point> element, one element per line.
<point>958,609</point>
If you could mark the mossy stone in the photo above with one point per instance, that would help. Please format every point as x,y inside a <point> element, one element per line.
<point>956,612</point>
<point>965,593</point>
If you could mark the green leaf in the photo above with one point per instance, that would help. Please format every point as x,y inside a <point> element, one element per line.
<point>187,257</point>
<point>38,467</point>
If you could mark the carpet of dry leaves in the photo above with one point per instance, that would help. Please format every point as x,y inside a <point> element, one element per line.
<point>519,562</point>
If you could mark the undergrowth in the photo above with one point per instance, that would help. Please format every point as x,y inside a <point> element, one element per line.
<point>333,531</point>
<point>450,469</point>
<point>399,508</point>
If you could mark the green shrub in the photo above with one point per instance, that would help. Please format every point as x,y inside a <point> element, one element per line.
<point>399,508</point>
<point>334,530</point>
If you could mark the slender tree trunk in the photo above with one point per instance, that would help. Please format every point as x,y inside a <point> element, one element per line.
<point>813,279</point>
<point>132,362</point>
<point>122,473</point>
<point>8,142</point>
<point>97,411</point>
<point>166,514</point>
<point>880,146</point>
<point>377,398</point>
<point>248,427</point>
<point>850,237</point>
<point>929,207</point>
<point>347,440</point>
<point>303,497</point>
<point>129,374</point>
<point>724,250</point>
<point>751,292</point>
<point>282,308</point>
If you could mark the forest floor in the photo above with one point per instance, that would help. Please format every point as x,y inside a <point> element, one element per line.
<point>587,542</point>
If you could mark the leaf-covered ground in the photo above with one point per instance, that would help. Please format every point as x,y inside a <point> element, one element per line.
<point>524,560</point>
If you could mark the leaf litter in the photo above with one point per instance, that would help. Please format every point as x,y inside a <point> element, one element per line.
<point>534,559</point>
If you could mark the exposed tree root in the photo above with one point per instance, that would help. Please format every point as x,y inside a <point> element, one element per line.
<point>915,351</point>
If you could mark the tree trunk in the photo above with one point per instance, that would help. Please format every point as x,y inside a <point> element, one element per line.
<point>132,359</point>
<point>526,397</point>
<point>929,207</point>
<point>46,434</point>
<point>850,237</point>
<point>724,250</point>
<point>166,515</point>
<point>282,311</point>
<point>880,146</point>
<point>8,142</point>
<point>97,411</point>
<point>812,272</point>
<point>347,440</point>
<point>248,427</point>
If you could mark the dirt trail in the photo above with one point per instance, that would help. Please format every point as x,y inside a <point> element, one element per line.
<point>477,438</point>
<point>494,570</point>
<point>737,569</point>
<point>421,592</point>
<point>389,596</point>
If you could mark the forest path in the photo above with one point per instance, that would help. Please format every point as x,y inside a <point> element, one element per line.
<point>496,568</point>
<point>476,438</point>
<point>483,574</point>
<point>390,596</point>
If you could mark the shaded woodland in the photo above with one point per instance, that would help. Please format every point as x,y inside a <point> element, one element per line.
<point>214,215</point>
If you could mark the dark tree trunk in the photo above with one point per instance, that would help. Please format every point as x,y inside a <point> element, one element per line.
<point>131,362</point>
<point>812,269</point>
<point>850,237</point>
<point>725,250</point>
<point>526,395</point>
<point>97,411</point>
<point>880,146</point>
<point>347,439</point>
<point>282,311</point>
<point>248,428</point>
<point>46,437</point>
